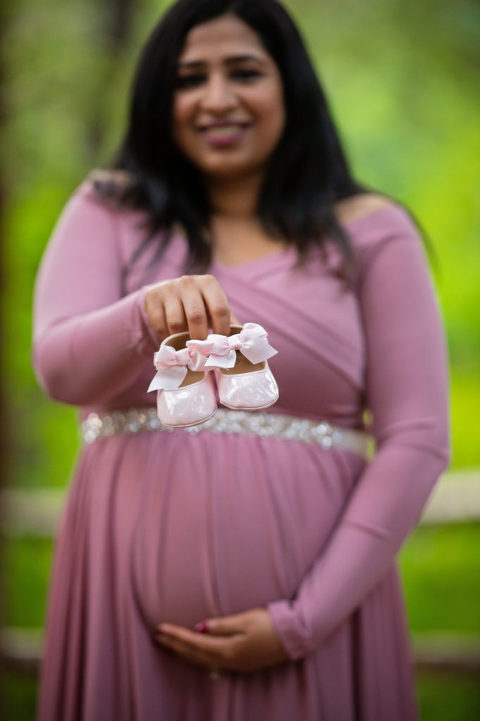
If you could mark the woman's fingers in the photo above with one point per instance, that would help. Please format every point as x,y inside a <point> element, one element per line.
<point>210,651</point>
<point>174,314</point>
<point>217,305</point>
<point>156,312</point>
<point>194,307</point>
<point>243,642</point>
<point>225,625</point>
<point>188,653</point>
<point>191,302</point>
<point>192,639</point>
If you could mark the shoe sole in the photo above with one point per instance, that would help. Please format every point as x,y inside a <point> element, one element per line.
<point>188,425</point>
<point>249,408</point>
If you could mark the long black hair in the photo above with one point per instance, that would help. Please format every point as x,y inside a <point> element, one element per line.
<point>308,171</point>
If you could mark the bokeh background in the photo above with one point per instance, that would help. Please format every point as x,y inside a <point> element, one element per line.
<point>403,82</point>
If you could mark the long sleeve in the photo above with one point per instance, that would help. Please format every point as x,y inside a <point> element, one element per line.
<point>406,392</point>
<point>88,340</point>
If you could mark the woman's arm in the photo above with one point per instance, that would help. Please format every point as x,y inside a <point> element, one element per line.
<point>406,389</point>
<point>88,340</point>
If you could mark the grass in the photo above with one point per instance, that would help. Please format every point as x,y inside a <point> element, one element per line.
<point>448,698</point>
<point>18,694</point>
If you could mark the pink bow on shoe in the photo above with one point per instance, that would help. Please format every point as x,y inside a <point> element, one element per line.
<point>172,366</point>
<point>220,350</point>
<point>252,343</point>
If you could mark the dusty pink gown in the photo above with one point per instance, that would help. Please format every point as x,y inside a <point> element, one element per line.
<point>167,526</point>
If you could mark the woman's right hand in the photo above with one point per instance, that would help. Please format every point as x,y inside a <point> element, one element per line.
<point>191,302</point>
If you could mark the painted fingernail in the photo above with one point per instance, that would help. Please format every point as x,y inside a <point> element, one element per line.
<point>201,627</point>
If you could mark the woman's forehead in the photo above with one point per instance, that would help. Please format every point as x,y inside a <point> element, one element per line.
<point>223,37</point>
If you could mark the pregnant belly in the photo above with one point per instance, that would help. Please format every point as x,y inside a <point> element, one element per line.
<point>239,534</point>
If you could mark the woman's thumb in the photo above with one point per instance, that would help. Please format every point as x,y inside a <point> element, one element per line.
<point>225,626</point>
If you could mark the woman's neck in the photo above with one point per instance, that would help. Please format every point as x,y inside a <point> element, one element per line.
<point>236,232</point>
<point>235,198</point>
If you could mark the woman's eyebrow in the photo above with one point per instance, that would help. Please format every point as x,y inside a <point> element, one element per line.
<point>245,58</point>
<point>232,59</point>
<point>191,64</point>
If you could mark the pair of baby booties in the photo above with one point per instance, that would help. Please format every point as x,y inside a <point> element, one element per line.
<point>184,379</point>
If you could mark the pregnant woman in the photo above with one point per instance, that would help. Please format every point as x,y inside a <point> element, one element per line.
<point>241,570</point>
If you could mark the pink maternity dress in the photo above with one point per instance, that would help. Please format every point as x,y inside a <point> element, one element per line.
<point>169,526</point>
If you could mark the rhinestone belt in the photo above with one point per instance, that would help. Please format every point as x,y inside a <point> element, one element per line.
<point>266,425</point>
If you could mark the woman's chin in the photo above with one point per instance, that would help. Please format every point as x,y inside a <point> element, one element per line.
<point>228,171</point>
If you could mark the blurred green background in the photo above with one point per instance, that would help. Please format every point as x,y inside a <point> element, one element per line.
<point>403,82</point>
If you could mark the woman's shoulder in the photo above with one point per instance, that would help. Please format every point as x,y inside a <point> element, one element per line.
<point>373,220</point>
<point>106,187</point>
<point>94,207</point>
<point>360,205</point>
<point>370,209</point>
<point>375,224</point>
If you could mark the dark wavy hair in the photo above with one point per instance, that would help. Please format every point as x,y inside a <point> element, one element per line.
<point>308,171</point>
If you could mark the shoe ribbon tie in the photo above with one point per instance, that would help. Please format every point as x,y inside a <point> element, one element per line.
<point>172,366</point>
<point>217,351</point>
<point>220,350</point>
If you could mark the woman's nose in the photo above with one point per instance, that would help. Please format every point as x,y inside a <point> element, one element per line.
<point>218,95</point>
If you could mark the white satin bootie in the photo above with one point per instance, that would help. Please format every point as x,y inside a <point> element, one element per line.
<point>185,389</point>
<point>243,376</point>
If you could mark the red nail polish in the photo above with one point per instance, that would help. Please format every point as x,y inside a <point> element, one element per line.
<point>201,627</point>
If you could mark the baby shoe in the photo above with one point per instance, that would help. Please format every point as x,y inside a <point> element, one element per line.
<point>185,390</point>
<point>244,379</point>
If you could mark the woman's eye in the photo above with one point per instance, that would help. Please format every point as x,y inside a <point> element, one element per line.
<point>245,74</point>
<point>190,81</point>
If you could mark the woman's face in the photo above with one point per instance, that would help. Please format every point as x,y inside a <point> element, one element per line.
<point>228,109</point>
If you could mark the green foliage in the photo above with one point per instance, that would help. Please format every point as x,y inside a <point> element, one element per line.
<point>26,565</point>
<point>442,579</point>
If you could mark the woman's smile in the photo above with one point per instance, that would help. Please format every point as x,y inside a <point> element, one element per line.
<point>224,134</point>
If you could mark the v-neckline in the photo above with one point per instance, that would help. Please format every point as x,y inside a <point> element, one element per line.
<point>285,251</point>
<point>284,255</point>
<point>260,262</point>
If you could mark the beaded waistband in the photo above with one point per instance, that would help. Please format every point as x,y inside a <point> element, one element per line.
<point>266,425</point>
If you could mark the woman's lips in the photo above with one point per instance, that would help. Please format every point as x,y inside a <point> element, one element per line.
<point>223,135</point>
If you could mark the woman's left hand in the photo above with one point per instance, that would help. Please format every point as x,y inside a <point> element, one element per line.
<point>243,642</point>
